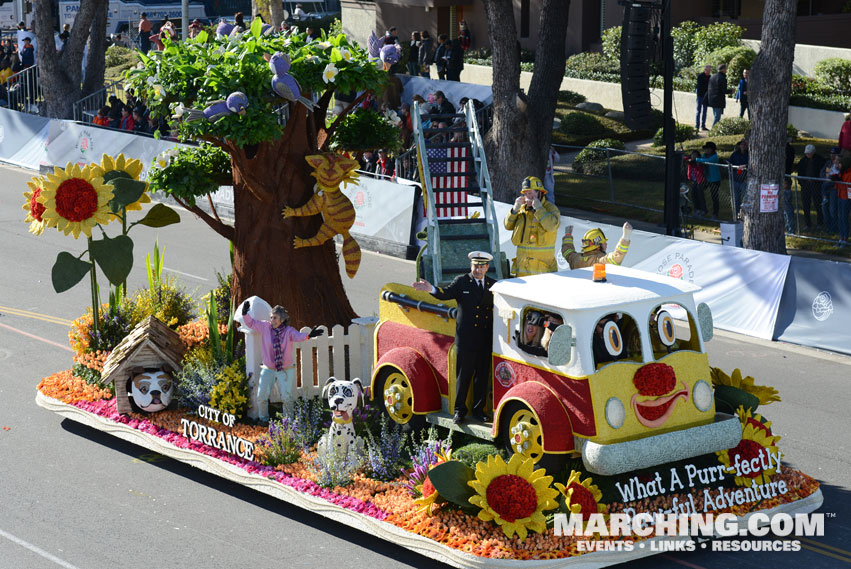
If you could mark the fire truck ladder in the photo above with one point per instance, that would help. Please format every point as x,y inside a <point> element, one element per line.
<point>456,224</point>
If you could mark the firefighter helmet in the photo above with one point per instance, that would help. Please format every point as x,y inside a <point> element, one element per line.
<point>531,183</point>
<point>593,239</point>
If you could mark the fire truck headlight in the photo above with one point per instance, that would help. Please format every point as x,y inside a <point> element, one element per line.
<point>702,395</point>
<point>615,413</point>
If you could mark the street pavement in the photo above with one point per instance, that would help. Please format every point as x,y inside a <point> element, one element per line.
<point>75,497</point>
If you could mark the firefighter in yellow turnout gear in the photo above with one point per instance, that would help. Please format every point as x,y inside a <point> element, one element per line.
<point>594,248</point>
<point>534,222</point>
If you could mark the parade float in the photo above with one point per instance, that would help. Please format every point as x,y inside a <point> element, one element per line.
<point>619,416</point>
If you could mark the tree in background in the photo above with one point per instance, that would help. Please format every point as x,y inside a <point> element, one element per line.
<point>262,153</point>
<point>60,73</point>
<point>769,88</point>
<point>518,143</point>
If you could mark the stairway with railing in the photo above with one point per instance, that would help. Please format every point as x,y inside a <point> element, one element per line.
<point>86,108</point>
<point>459,203</point>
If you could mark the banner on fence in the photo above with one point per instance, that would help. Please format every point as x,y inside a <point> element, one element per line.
<point>743,288</point>
<point>815,305</point>
<point>23,139</point>
<point>83,144</point>
<point>383,210</point>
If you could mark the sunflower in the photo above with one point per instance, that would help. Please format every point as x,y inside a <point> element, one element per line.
<point>75,200</point>
<point>513,495</point>
<point>581,496</point>
<point>755,419</point>
<point>121,167</point>
<point>765,393</point>
<point>34,209</point>
<point>758,444</point>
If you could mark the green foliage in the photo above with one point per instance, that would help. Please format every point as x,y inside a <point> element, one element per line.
<point>791,131</point>
<point>474,453</point>
<point>230,394</point>
<point>730,126</point>
<point>585,65</point>
<point>190,172</point>
<point>281,445</point>
<point>168,302</point>
<point>835,73</point>
<point>595,152</point>
<point>737,58</point>
<point>384,456</point>
<point>365,130</point>
<point>684,44</point>
<point>611,39</point>
<point>90,376</point>
<point>570,98</point>
<point>451,479</point>
<point>334,469</point>
<point>580,122</point>
<point>195,382</point>
<point>683,132</point>
<point>198,71</point>
<point>118,61</point>
<point>222,294</point>
<point>310,417</point>
<point>713,37</point>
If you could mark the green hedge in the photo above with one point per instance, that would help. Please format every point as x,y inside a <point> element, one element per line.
<point>683,132</point>
<point>835,73</point>
<point>594,152</point>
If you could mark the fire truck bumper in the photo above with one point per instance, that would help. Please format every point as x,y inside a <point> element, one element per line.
<point>608,460</point>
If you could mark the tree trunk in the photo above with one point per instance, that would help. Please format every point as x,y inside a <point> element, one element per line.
<point>96,55</point>
<point>276,13</point>
<point>60,72</point>
<point>305,281</point>
<point>768,95</point>
<point>518,142</point>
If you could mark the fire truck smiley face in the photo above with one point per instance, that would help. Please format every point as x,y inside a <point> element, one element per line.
<point>658,394</point>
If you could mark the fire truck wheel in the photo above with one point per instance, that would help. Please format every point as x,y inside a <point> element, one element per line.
<point>521,433</point>
<point>398,397</point>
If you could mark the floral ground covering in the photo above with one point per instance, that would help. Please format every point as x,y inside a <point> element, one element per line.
<point>387,501</point>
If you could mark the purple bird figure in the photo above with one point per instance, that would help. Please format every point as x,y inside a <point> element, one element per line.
<point>284,85</point>
<point>236,103</point>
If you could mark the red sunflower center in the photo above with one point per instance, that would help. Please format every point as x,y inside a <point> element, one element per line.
<point>428,488</point>
<point>582,496</point>
<point>758,425</point>
<point>512,497</point>
<point>76,199</point>
<point>36,209</point>
<point>747,450</point>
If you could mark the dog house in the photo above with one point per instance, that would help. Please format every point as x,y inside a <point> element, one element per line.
<point>151,344</point>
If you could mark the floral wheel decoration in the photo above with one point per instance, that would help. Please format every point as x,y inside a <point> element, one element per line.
<point>581,496</point>
<point>33,207</point>
<point>513,494</point>
<point>757,443</point>
<point>122,167</point>
<point>75,200</point>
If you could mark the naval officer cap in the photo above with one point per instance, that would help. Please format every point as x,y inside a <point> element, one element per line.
<point>479,257</point>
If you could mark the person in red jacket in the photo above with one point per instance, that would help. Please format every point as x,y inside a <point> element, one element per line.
<point>845,134</point>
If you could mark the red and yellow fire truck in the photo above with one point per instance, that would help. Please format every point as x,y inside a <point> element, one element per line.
<point>618,382</point>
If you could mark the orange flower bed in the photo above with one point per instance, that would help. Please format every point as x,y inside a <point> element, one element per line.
<point>69,389</point>
<point>195,333</point>
<point>92,360</point>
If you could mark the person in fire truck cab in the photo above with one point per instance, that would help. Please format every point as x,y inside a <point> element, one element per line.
<point>529,338</point>
<point>473,332</point>
<point>594,248</point>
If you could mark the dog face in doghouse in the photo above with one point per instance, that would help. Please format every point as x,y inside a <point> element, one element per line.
<point>151,390</point>
<point>342,396</point>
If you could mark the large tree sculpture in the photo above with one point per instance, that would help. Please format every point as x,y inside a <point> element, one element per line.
<point>267,160</point>
<point>769,88</point>
<point>518,142</point>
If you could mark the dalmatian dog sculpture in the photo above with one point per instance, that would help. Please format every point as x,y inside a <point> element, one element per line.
<point>342,398</point>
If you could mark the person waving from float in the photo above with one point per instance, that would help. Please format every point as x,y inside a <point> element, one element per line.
<point>534,224</point>
<point>594,248</point>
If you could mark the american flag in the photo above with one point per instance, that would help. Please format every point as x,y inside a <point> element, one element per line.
<point>439,180</point>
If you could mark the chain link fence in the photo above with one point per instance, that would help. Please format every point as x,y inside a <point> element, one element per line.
<point>588,177</point>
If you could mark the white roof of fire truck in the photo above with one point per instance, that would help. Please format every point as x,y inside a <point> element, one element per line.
<point>575,289</point>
